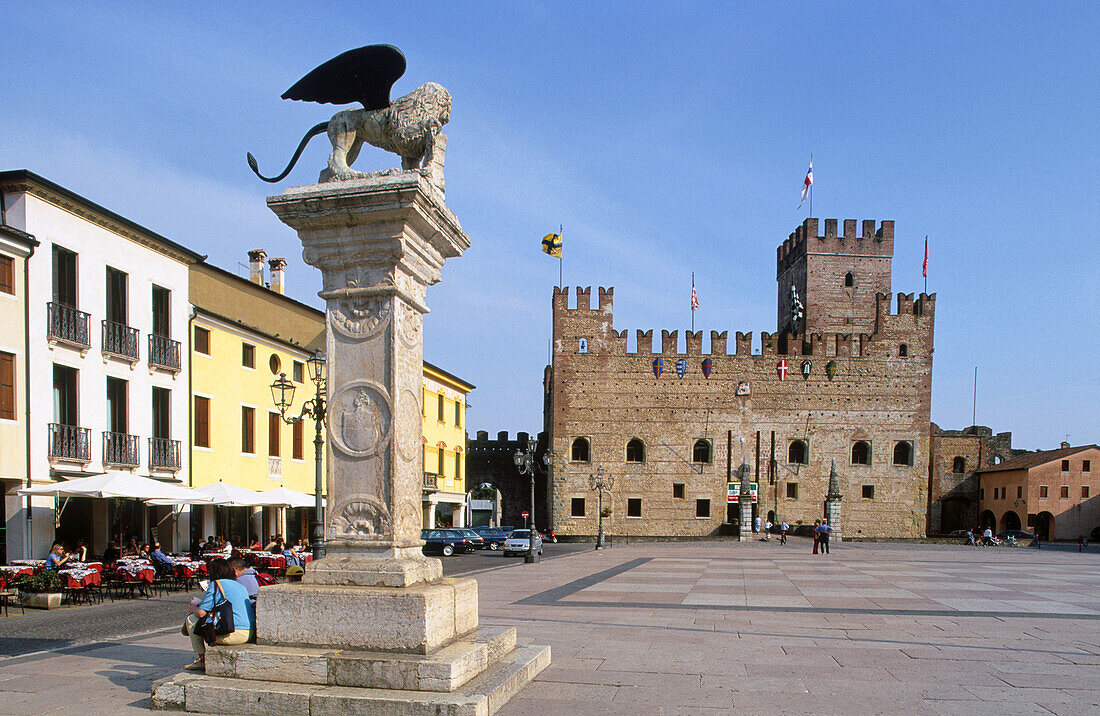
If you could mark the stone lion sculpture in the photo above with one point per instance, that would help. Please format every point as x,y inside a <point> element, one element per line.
<point>410,126</point>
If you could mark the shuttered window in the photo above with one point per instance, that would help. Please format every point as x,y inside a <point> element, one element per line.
<point>7,386</point>
<point>274,423</point>
<point>296,447</point>
<point>7,283</point>
<point>202,422</point>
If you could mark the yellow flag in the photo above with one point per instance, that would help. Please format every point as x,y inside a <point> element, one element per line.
<point>551,244</point>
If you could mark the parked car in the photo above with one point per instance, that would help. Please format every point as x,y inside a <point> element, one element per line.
<point>519,540</point>
<point>494,536</point>
<point>444,542</point>
<point>476,540</point>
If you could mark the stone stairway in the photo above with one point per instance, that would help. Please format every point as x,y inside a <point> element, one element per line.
<point>473,676</point>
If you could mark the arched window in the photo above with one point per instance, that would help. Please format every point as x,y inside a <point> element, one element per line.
<point>903,351</point>
<point>861,452</point>
<point>701,451</point>
<point>798,453</point>
<point>959,465</point>
<point>579,452</point>
<point>635,451</point>
<point>903,453</point>
<point>849,279</point>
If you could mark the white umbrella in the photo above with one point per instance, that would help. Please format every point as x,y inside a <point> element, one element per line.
<point>285,497</point>
<point>121,484</point>
<point>226,495</point>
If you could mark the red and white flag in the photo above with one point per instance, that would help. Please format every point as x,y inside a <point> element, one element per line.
<point>694,298</point>
<point>807,182</point>
<point>925,267</point>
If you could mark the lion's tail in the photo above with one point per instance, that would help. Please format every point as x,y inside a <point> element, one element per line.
<point>255,167</point>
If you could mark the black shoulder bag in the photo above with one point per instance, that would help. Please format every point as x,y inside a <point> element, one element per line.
<point>219,620</point>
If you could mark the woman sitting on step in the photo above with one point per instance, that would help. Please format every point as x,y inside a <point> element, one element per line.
<point>223,582</point>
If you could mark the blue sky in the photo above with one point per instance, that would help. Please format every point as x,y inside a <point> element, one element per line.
<point>666,137</point>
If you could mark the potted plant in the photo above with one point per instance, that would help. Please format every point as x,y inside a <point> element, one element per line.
<point>41,590</point>
<point>606,512</point>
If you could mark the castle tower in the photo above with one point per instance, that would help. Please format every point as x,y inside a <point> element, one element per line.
<point>835,274</point>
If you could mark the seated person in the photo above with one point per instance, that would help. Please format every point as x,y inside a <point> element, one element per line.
<point>81,552</point>
<point>132,549</point>
<point>278,546</point>
<point>292,558</point>
<point>247,576</point>
<point>255,545</point>
<point>112,553</point>
<point>222,582</point>
<point>210,545</point>
<point>227,548</point>
<point>57,557</point>
<point>145,552</point>
<point>160,559</point>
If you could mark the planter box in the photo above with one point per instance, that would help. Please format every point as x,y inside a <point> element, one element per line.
<point>41,600</point>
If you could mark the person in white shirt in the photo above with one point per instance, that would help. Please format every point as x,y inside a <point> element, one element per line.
<point>987,536</point>
<point>227,549</point>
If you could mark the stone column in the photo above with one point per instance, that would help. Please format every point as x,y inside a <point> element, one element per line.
<point>832,504</point>
<point>744,504</point>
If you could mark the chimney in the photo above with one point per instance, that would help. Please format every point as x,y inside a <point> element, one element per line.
<point>256,266</point>
<point>1065,445</point>
<point>278,271</point>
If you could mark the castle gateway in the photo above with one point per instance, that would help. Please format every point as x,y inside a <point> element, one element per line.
<point>850,379</point>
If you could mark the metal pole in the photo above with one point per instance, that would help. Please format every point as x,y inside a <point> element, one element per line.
<point>317,542</point>
<point>532,556</point>
<point>599,534</point>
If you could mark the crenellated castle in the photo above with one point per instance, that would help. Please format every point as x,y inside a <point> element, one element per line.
<point>850,380</point>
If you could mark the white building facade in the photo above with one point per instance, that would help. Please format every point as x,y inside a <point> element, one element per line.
<point>108,370</point>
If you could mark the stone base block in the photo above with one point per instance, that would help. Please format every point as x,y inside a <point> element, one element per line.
<point>443,670</point>
<point>481,696</point>
<point>395,568</point>
<point>416,619</point>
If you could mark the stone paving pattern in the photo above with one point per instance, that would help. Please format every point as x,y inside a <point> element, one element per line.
<point>666,628</point>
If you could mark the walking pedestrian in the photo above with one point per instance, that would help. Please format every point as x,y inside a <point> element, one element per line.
<point>817,536</point>
<point>1081,543</point>
<point>756,525</point>
<point>783,527</point>
<point>767,530</point>
<point>823,536</point>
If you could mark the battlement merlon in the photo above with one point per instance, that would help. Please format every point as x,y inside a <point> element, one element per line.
<point>923,307</point>
<point>871,240</point>
<point>604,300</point>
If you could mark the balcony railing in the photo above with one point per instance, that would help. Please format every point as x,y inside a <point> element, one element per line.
<point>431,482</point>
<point>68,442</point>
<point>65,323</point>
<point>164,453</point>
<point>164,352</point>
<point>120,449</point>
<point>120,340</point>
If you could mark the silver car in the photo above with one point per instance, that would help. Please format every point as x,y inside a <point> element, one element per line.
<point>518,542</point>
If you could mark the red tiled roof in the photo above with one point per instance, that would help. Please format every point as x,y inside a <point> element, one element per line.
<point>1039,457</point>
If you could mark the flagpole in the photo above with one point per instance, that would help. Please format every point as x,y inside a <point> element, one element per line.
<point>693,302</point>
<point>811,187</point>
<point>561,259</point>
<point>925,271</point>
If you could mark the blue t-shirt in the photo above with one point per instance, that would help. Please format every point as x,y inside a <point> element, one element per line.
<point>243,618</point>
<point>52,561</point>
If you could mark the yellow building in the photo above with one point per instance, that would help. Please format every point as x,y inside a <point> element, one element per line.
<point>444,448</point>
<point>244,333</point>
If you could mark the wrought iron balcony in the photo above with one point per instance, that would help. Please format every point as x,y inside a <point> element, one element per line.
<point>164,352</point>
<point>120,340</point>
<point>164,453</point>
<point>65,323</point>
<point>431,482</point>
<point>68,442</point>
<point>120,449</point>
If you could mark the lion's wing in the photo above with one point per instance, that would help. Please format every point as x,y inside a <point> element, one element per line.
<point>365,74</point>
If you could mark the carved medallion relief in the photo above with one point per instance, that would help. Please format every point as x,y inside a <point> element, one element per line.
<point>359,415</point>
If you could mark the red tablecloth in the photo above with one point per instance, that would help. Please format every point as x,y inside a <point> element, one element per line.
<point>137,573</point>
<point>78,578</point>
<point>97,566</point>
<point>18,570</point>
<point>190,569</point>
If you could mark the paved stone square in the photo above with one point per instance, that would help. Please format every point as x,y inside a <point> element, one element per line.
<point>714,626</point>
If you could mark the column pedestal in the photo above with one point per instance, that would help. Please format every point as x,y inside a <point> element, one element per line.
<point>374,612</point>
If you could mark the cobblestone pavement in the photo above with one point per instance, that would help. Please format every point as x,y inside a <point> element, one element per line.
<point>715,626</point>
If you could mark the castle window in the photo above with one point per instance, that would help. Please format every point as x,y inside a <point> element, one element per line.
<point>1084,491</point>
<point>861,452</point>
<point>1086,465</point>
<point>1063,492</point>
<point>1019,492</point>
<point>792,490</point>
<point>1065,466</point>
<point>959,466</point>
<point>576,507</point>
<point>1044,491</point>
<point>798,453</point>
<point>849,279</point>
<point>868,492</point>
<point>634,507</point>
<point>702,509</point>
<point>579,451</point>
<point>903,351</point>
<point>903,453</point>
<point>700,453</point>
<point>635,451</point>
<point>677,490</point>
<point>582,345</point>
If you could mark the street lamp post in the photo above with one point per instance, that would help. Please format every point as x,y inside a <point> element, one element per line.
<point>525,464</point>
<point>600,483</point>
<point>282,393</point>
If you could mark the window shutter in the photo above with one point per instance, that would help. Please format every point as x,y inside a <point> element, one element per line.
<point>7,386</point>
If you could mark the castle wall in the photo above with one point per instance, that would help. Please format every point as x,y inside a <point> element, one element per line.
<point>610,395</point>
<point>954,496</point>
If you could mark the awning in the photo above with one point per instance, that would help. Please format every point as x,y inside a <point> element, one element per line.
<point>121,484</point>
<point>226,495</point>
<point>285,497</point>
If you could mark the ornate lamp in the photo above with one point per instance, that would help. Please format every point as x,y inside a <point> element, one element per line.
<point>282,393</point>
<point>316,366</point>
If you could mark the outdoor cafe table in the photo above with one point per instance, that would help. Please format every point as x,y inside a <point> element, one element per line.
<point>187,568</point>
<point>17,570</point>
<point>97,566</point>
<point>79,578</point>
<point>277,561</point>
<point>137,572</point>
<point>30,562</point>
